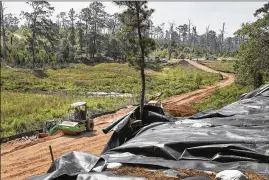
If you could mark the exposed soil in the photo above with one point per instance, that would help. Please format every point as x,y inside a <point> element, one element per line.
<point>159,175</point>
<point>22,159</point>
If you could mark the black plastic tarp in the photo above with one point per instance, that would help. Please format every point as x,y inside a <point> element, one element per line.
<point>234,137</point>
<point>124,130</point>
<point>80,166</point>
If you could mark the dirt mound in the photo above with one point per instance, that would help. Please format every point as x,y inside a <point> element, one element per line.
<point>136,171</point>
<point>179,110</point>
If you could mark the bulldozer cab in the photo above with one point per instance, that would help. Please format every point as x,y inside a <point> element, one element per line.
<point>78,111</point>
<point>155,103</point>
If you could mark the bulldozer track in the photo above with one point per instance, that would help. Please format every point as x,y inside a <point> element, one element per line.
<point>25,158</point>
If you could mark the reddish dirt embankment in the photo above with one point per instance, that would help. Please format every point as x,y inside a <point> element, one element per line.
<point>22,159</point>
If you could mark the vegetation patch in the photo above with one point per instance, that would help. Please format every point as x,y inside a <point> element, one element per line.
<point>224,66</point>
<point>21,112</point>
<point>28,98</point>
<point>222,97</point>
<point>106,77</point>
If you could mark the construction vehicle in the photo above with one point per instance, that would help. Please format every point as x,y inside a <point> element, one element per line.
<point>77,121</point>
<point>155,103</point>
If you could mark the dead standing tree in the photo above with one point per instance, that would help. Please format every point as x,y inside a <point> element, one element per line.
<point>222,31</point>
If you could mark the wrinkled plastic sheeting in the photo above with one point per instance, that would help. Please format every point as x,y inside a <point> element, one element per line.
<point>122,129</point>
<point>91,176</point>
<point>71,164</point>
<point>106,176</point>
<point>262,91</point>
<point>236,137</point>
<point>80,166</point>
<point>214,149</point>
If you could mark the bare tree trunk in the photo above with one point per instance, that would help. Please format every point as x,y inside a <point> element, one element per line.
<point>142,95</point>
<point>3,32</point>
<point>1,21</point>
<point>81,36</point>
<point>94,40</point>
<point>222,37</point>
<point>33,49</point>
<point>4,40</point>
<point>87,48</point>
<point>179,40</point>
<point>207,30</point>
<point>142,65</point>
<point>189,35</point>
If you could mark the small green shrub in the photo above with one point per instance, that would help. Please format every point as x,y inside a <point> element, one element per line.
<point>224,66</point>
<point>182,56</point>
<point>174,54</point>
<point>163,53</point>
<point>198,80</point>
<point>222,97</point>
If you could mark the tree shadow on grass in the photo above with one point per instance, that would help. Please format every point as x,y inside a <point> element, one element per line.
<point>96,60</point>
<point>40,74</point>
<point>154,66</point>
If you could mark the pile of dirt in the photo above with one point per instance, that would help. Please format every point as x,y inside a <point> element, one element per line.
<point>159,175</point>
<point>179,110</point>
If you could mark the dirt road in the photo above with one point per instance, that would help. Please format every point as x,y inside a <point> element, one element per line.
<point>179,104</point>
<point>22,159</point>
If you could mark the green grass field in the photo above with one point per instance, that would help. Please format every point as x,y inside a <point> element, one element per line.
<point>109,77</point>
<point>222,97</point>
<point>22,112</point>
<point>28,98</point>
<point>224,66</point>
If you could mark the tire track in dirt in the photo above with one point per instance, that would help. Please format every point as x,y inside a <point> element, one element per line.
<point>20,160</point>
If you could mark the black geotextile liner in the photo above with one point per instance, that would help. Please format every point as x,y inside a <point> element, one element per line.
<point>122,129</point>
<point>234,137</point>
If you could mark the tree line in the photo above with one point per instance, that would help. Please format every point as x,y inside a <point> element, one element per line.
<point>93,32</point>
<point>186,36</point>
<point>253,65</point>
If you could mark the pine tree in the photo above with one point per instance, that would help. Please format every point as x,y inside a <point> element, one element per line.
<point>136,18</point>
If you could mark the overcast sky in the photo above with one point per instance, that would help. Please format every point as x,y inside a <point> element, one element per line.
<point>201,14</point>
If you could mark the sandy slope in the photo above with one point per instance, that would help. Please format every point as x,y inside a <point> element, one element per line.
<point>21,159</point>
